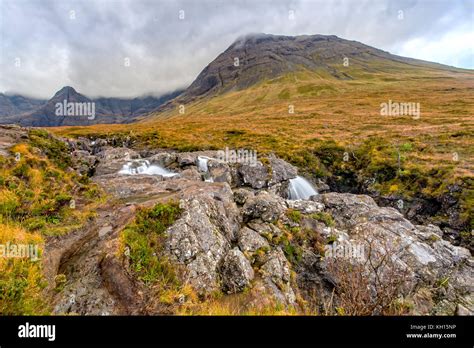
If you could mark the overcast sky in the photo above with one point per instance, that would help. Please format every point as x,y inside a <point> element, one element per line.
<point>48,44</point>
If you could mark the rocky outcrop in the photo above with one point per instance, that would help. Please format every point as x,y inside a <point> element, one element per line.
<point>250,241</point>
<point>237,232</point>
<point>264,206</point>
<point>202,236</point>
<point>417,252</point>
<point>237,273</point>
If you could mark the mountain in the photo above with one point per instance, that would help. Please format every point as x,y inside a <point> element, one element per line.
<point>17,104</point>
<point>42,113</point>
<point>259,57</point>
<point>289,94</point>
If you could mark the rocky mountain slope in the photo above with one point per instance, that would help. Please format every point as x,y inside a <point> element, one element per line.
<point>16,104</point>
<point>260,57</point>
<point>38,113</point>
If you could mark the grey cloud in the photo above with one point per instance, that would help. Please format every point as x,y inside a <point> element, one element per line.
<point>167,53</point>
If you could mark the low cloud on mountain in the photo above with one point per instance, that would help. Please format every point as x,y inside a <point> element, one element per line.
<point>87,44</point>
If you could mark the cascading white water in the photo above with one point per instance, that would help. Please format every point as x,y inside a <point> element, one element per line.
<point>202,166</point>
<point>144,167</point>
<point>300,188</point>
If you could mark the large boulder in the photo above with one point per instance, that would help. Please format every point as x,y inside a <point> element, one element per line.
<point>281,170</point>
<point>202,236</point>
<point>265,206</point>
<point>236,271</point>
<point>219,171</point>
<point>250,241</point>
<point>276,273</point>
<point>255,176</point>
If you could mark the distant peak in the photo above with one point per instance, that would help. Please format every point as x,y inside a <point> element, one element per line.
<point>67,89</point>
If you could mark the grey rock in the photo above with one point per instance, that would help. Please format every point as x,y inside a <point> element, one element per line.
<point>276,273</point>
<point>306,207</point>
<point>203,234</point>
<point>264,206</point>
<point>463,311</point>
<point>269,231</point>
<point>164,159</point>
<point>250,241</point>
<point>237,273</point>
<point>219,171</point>
<point>186,159</point>
<point>281,170</point>
<point>112,159</point>
<point>191,174</point>
<point>255,176</point>
<point>83,161</point>
<point>419,251</point>
<point>241,195</point>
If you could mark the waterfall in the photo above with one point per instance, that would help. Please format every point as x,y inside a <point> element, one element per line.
<point>300,188</point>
<point>144,167</point>
<point>202,166</point>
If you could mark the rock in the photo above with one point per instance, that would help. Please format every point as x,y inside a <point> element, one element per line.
<point>276,273</point>
<point>255,176</point>
<point>186,159</point>
<point>281,170</point>
<point>463,311</point>
<point>219,171</point>
<point>203,235</point>
<point>164,159</point>
<point>111,160</point>
<point>242,195</point>
<point>321,186</point>
<point>429,233</point>
<point>191,174</point>
<point>250,241</point>
<point>98,145</point>
<point>129,186</point>
<point>417,251</point>
<point>119,284</point>
<point>269,231</point>
<point>84,162</point>
<point>264,206</point>
<point>195,241</point>
<point>306,207</point>
<point>444,307</point>
<point>117,153</point>
<point>347,207</point>
<point>237,273</point>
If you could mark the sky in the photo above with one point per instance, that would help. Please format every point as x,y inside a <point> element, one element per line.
<point>115,48</point>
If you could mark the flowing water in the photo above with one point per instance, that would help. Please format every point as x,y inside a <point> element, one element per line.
<point>144,167</point>
<point>202,166</point>
<point>300,188</point>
